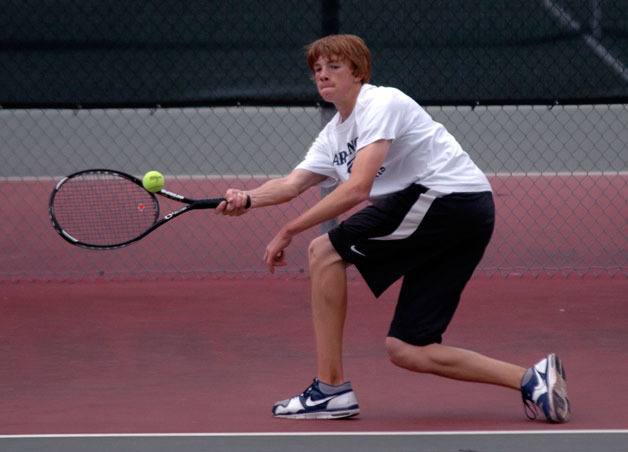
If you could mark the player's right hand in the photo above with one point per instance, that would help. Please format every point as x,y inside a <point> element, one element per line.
<point>235,203</point>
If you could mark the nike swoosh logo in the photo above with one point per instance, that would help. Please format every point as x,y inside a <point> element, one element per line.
<point>309,402</point>
<point>356,251</point>
<point>540,388</point>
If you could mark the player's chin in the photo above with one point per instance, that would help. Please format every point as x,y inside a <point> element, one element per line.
<point>326,94</point>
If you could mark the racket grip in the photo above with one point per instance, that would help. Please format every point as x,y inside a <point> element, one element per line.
<point>248,201</point>
<point>206,203</point>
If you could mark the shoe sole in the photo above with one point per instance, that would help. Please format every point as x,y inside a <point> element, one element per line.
<point>559,407</point>
<point>342,414</point>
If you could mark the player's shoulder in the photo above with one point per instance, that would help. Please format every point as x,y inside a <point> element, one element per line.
<point>383,96</point>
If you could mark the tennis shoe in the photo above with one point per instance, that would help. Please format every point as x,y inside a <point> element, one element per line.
<point>319,401</point>
<point>544,387</point>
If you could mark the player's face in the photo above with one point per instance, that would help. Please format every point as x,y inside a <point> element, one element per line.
<point>334,79</point>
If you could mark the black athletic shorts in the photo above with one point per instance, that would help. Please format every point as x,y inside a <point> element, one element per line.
<point>433,241</point>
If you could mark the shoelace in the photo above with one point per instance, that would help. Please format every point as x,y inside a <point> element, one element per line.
<point>309,389</point>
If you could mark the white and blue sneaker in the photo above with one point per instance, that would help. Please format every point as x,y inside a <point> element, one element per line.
<point>544,386</point>
<point>320,401</point>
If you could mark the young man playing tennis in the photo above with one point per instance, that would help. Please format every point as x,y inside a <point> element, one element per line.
<point>429,221</point>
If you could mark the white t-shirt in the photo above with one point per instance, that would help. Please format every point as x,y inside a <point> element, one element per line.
<point>422,151</point>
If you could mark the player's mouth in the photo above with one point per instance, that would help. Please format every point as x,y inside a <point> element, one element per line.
<point>325,87</point>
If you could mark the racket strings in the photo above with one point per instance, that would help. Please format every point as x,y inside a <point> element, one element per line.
<point>101,209</point>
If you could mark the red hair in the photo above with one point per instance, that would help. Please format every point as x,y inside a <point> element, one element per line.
<point>349,48</point>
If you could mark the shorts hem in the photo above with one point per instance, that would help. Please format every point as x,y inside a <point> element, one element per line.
<point>417,341</point>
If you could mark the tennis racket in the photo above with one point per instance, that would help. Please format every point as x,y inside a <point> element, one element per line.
<point>107,209</point>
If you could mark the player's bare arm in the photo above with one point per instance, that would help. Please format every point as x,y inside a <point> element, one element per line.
<point>272,192</point>
<point>348,195</point>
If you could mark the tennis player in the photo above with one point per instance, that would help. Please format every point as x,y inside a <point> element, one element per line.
<point>428,220</point>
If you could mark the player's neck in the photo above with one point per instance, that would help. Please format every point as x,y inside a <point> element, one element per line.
<point>346,105</point>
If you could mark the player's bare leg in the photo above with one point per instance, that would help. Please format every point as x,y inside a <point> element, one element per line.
<point>328,282</point>
<point>455,363</point>
<point>329,396</point>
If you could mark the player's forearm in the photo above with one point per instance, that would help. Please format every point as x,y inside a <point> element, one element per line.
<point>339,201</point>
<point>274,191</point>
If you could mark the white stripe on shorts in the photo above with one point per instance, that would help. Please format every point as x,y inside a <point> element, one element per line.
<point>414,216</point>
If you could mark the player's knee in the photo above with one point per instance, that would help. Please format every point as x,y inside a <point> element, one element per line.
<point>397,351</point>
<point>407,356</point>
<point>314,251</point>
<point>320,252</point>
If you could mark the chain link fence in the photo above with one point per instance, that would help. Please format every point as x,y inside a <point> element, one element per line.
<point>217,94</point>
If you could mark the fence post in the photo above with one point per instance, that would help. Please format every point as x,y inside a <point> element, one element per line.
<point>327,112</point>
<point>329,25</point>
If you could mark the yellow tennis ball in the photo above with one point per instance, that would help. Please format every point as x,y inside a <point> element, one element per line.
<point>153,181</point>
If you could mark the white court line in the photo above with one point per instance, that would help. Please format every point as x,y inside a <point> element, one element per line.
<point>173,176</point>
<point>283,434</point>
<point>272,176</point>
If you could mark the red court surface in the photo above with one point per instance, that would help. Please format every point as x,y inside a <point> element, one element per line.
<point>212,356</point>
<point>557,224</point>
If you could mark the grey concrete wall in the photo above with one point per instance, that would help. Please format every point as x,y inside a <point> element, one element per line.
<point>271,140</point>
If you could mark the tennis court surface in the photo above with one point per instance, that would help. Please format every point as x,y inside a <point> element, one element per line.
<point>130,355</point>
<point>182,342</point>
<point>207,358</point>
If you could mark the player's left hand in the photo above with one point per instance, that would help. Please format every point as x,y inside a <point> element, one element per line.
<point>275,255</point>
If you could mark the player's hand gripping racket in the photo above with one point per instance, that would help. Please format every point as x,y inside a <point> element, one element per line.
<point>106,209</point>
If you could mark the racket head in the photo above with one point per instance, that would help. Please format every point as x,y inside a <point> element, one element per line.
<point>102,209</point>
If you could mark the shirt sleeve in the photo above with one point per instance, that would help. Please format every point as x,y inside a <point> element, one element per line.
<point>318,160</point>
<point>382,119</point>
